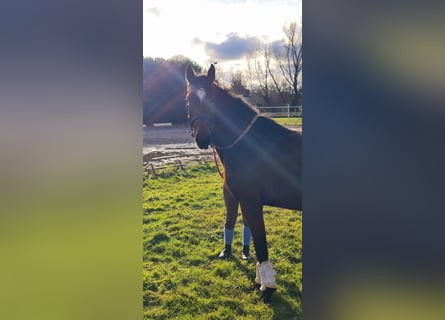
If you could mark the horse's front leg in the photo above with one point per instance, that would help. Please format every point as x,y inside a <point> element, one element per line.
<point>229,227</point>
<point>265,273</point>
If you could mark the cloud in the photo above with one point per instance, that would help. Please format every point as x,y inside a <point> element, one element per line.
<point>234,47</point>
<point>197,41</point>
<point>154,11</point>
<point>277,46</point>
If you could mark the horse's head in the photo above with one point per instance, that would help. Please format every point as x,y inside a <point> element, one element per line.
<point>199,106</point>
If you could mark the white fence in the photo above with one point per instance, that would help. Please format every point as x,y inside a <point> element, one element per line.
<point>282,111</point>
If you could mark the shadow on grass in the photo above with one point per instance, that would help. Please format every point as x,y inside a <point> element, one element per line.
<point>281,306</point>
<point>283,309</point>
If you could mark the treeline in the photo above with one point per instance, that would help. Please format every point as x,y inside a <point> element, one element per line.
<point>164,89</point>
<point>273,77</point>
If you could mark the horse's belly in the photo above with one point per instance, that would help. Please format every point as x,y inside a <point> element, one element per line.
<point>272,182</point>
<point>281,197</point>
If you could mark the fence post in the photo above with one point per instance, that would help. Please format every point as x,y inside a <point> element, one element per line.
<point>153,169</point>
<point>288,111</point>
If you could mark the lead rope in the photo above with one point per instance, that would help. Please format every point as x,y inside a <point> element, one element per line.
<point>220,173</point>
<point>216,163</point>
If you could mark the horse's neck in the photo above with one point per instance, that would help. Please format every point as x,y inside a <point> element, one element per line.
<point>235,109</point>
<point>233,116</point>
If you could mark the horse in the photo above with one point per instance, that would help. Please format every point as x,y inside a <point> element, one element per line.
<point>262,160</point>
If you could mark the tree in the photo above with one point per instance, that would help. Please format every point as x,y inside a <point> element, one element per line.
<point>291,61</point>
<point>237,84</point>
<point>274,70</point>
<point>258,74</point>
<point>164,89</point>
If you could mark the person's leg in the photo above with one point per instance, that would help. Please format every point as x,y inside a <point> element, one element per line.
<point>246,241</point>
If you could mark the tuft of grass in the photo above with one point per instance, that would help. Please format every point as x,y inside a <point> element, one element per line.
<point>183,219</point>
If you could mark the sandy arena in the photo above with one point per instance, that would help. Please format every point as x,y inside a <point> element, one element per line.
<point>169,144</point>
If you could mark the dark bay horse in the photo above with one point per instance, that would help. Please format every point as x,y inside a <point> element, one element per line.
<point>262,160</point>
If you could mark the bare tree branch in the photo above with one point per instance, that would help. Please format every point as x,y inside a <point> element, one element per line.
<point>276,76</point>
<point>291,63</point>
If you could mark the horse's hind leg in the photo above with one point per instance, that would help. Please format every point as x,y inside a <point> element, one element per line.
<point>253,214</point>
<point>265,273</point>
<point>268,282</point>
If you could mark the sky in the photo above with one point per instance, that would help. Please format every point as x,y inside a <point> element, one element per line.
<point>214,30</point>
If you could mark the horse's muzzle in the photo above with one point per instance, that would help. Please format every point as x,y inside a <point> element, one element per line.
<point>201,132</point>
<point>203,144</point>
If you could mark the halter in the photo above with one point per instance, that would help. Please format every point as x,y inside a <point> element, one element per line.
<point>249,126</point>
<point>204,117</point>
<point>208,119</point>
<point>211,124</point>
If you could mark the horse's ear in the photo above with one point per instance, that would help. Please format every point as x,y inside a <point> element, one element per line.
<point>189,73</point>
<point>211,74</point>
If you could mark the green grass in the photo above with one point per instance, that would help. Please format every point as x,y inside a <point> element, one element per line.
<point>289,121</point>
<point>182,277</point>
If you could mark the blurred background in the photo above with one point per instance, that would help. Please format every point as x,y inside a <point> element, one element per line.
<point>70,178</point>
<point>70,136</point>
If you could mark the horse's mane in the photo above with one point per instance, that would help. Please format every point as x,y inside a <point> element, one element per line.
<point>232,98</point>
<point>239,103</point>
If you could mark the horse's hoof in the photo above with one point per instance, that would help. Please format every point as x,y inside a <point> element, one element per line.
<point>267,295</point>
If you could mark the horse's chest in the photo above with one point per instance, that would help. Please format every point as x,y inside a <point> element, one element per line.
<point>248,176</point>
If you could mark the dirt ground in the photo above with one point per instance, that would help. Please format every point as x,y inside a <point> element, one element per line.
<point>165,145</point>
<point>169,144</point>
<point>166,135</point>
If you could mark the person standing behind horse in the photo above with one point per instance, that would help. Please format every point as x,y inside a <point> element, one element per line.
<point>229,228</point>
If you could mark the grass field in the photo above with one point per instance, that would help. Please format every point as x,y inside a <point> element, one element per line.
<point>289,121</point>
<point>182,277</point>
